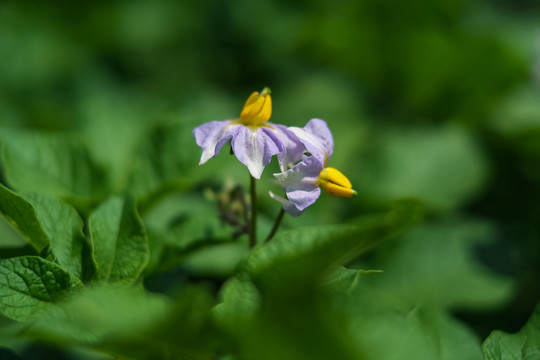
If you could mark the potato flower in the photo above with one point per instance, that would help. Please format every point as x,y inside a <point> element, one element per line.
<point>254,139</point>
<point>304,181</point>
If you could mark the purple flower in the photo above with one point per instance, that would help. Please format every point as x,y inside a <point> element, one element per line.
<point>254,139</point>
<point>294,148</point>
<point>303,182</point>
<point>301,185</point>
<point>316,138</point>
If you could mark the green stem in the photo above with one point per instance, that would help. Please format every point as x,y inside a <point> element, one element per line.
<point>253,224</point>
<point>276,225</point>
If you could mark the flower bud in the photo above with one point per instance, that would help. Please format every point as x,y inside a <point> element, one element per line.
<point>335,183</point>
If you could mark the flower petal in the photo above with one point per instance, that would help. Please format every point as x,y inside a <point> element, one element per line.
<point>307,170</point>
<point>212,136</point>
<point>301,182</point>
<point>288,206</point>
<point>317,138</point>
<point>254,147</point>
<point>303,195</point>
<point>294,148</point>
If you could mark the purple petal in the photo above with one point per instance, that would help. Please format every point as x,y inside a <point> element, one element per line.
<point>294,148</point>
<point>300,182</point>
<point>212,136</point>
<point>254,147</point>
<point>303,195</point>
<point>288,206</point>
<point>307,170</point>
<point>317,138</point>
<point>320,128</point>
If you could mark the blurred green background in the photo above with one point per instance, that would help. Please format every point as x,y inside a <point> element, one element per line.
<point>433,100</point>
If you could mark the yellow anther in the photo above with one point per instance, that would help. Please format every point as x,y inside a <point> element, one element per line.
<point>335,183</point>
<point>257,109</point>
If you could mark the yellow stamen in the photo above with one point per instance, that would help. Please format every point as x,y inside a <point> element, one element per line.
<point>257,109</point>
<point>335,183</point>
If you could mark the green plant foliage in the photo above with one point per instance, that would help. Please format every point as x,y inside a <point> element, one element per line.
<point>11,238</point>
<point>317,249</point>
<point>290,270</point>
<point>63,227</point>
<point>97,314</point>
<point>524,345</point>
<point>23,216</point>
<point>434,264</point>
<point>114,130</point>
<point>346,280</point>
<point>116,244</point>
<point>183,226</point>
<point>30,284</point>
<point>57,165</point>
<point>49,225</point>
<point>120,245</point>
<point>241,301</point>
<point>384,332</point>
<point>160,161</point>
<point>126,320</point>
<point>424,163</point>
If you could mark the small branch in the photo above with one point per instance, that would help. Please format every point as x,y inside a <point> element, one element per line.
<point>276,225</point>
<point>253,223</point>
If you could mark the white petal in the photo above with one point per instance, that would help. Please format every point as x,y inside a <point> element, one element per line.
<point>288,206</point>
<point>316,137</point>
<point>293,147</point>
<point>254,147</point>
<point>212,136</point>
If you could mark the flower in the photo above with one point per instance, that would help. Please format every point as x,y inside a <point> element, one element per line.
<point>316,138</point>
<point>254,139</point>
<point>303,182</point>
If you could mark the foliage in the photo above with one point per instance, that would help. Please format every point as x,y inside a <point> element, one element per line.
<point>523,345</point>
<point>114,243</point>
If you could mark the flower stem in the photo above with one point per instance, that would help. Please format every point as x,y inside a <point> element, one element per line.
<point>276,225</point>
<point>253,224</point>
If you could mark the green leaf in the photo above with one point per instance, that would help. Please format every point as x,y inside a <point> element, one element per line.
<point>186,229</point>
<point>346,280</point>
<point>47,221</point>
<point>56,164</point>
<point>63,227</point>
<point>131,322</point>
<point>524,345</point>
<point>423,163</point>
<point>518,113</point>
<point>164,161</point>
<point>299,326</point>
<point>23,216</point>
<point>303,256</point>
<point>517,120</point>
<point>119,241</point>
<point>30,284</point>
<point>279,295</point>
<point>380,330</point>
<point>99,312</point>
<point>186,219</point>
<point>435,264</point>
<point>49,224</point>
<point>10,235</point>
<point>379,325</point>
<point>116,122</point>
<point>183,224</point>
<point>241,302</point>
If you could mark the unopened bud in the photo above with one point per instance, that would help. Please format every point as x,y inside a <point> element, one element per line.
<point>335,183</point>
